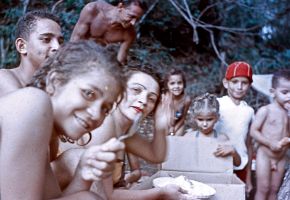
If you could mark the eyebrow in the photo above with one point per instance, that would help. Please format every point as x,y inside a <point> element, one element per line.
<point>101,92</point>
<point>145,88</point>
<point>51,35</point>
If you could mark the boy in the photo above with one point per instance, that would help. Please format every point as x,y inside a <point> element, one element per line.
<point>38,35</point>
<point>271,130</point>
<point>105,23</point>
<point>236,116</point>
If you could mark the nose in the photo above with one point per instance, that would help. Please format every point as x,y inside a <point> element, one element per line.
<point>95,112</point>
<point>240,85</point>
<point>54,45</point>
<point>143,99</point>
<point>204,123</point>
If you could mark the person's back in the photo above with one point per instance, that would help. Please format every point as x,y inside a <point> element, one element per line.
<point>271,130</point>
<point>38,36</point>
<point>105,24</point>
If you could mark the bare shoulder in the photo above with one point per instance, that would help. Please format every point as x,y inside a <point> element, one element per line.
<point>223,137</point>
<point>25,100</point>
<point>264,110</point>
<point>187,100</point>
<point>9,82</point>
<point>94,7</point>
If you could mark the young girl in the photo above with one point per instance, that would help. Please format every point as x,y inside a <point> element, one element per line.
<point>206,114</point>
<point>70,96</point>
<point>175,84</point>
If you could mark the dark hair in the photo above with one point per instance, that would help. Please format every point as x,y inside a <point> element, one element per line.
<point>205,101</point>
<point>147,69</point>
<point>26,24</point>
<point>139,3</point>
<point>76,58</point>
<point>174,71</point>
<point>284,73</point>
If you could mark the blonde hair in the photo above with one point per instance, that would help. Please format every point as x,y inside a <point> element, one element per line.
<point>207,102</point>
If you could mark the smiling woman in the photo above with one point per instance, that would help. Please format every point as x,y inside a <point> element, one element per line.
<point>77,88</point>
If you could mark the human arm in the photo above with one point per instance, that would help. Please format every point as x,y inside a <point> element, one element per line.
<point>135,172</point>
<point>82,27</point>
<point>255,130</point>
<point>249,185</point>
<point>169,192</point>
<point>179,130</point>
<point>83,166</point>
<point>25,139</point>
<point>129,37</point>
<point>224,150</point>
<point>153,151</point>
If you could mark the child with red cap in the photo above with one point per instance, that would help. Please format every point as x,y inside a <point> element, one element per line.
<point>236,116</point>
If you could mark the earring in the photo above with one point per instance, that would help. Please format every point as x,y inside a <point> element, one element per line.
<point>80,142</point>
<point>65,139</point>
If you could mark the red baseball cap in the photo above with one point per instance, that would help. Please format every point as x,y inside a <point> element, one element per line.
<point>239,68</point>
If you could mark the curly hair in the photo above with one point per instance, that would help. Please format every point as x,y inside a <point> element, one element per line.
<point>76,58</point>
<point>26,24</point>
<point>206,102</point>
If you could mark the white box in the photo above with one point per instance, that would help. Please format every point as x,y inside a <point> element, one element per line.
<point>193,158</point>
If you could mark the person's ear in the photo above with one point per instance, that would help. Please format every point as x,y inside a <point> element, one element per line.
<point>272,90</point>
<point>53,80</point>
<point>21,46</point>
<point>225,83</point>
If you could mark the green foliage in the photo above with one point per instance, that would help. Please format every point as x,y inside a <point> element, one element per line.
<point>166,38</point>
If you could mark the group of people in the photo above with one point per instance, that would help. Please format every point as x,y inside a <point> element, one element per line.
<point>65,108</point>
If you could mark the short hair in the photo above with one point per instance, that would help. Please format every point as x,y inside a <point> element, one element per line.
<point>76,58</point>
<point>207,102</point>
<point>139,3</point>
<point>174,71</point>
<point>130,70</point>
<point>26,24</point>
<point>281,74</point>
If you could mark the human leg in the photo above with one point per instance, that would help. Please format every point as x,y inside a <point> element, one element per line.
<point>263,170</point>
<point>276,179</point>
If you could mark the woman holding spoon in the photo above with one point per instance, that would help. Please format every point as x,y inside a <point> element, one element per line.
<point>141,98</point>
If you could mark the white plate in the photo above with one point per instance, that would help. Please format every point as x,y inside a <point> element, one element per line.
<point>195,189</point>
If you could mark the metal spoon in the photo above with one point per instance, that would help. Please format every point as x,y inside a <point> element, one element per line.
<point>133,129</point>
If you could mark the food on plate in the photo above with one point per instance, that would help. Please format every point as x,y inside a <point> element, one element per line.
<point>195,189</point>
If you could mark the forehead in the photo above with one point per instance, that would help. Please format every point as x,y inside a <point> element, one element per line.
<point>283,83</point>
<point>100,80</point>
<point>145,80</point>
<point>46,26</point>
<point>134,10</point>
<point>205,113</point>
<point>175,77</point>
<point>240,78</point>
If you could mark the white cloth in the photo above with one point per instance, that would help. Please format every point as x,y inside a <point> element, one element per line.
<point>234,121</point>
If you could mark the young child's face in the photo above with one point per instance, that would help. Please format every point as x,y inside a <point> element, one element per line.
<point>81,104</point>
<point>205,122</point>
<point>175,85</point>
<point>142,95</point>
<point>237,87</point>
<point>282,93</point>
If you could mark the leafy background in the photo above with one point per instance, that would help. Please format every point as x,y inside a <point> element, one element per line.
<point>200,36</point>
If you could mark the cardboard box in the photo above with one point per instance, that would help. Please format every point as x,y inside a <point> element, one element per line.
<point>194,159</point>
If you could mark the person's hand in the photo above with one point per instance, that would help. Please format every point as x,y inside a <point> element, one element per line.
<point>224,150</point>
<point>174,192</point>
<point>97,161</point>
<point>164,113</point>
<point>276,146</point>
<point>285,141</point>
